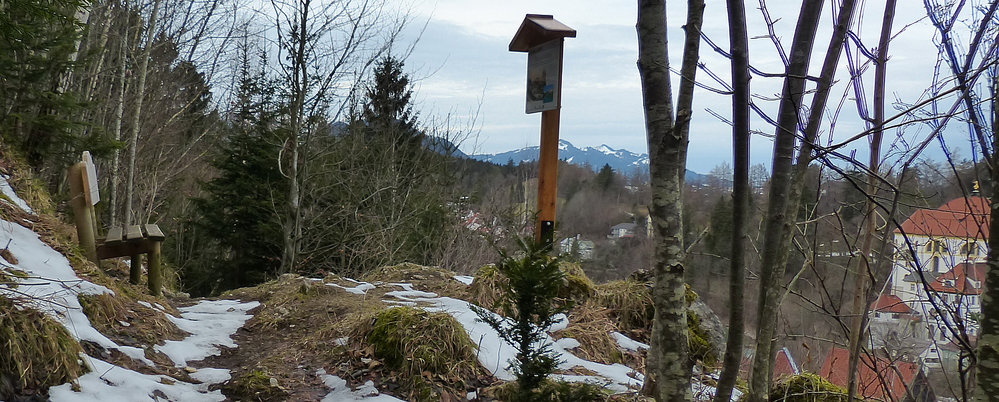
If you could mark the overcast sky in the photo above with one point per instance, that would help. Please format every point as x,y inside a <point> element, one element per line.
<point>462,68</point>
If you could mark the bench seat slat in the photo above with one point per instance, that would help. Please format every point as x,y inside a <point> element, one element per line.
<point>153,232</point>
<point>114,235</point>
<point>133,232</point>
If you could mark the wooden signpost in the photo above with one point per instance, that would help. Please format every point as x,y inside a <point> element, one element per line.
<point>542,37</point>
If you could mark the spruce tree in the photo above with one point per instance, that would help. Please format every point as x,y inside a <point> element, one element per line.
<point>388,111</point>
<point>239,210</point>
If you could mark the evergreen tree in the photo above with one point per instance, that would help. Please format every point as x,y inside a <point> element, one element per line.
<point>530,299</point>
<point>37,51</point>
<point>605,178</point>
<point>239,211</point>
<point>388,111</point>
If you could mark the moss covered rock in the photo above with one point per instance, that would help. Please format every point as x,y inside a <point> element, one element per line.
<point>254,385</point>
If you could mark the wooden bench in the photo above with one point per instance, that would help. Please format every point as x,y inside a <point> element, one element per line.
<point>120,241</point>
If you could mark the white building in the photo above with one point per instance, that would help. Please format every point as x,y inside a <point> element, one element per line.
<point>938,277</point>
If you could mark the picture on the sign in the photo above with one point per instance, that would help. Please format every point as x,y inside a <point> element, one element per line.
<point>543,76</point>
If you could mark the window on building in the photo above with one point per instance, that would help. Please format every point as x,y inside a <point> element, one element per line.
<point>896,315</point>
<point>912,287</point>
<point>969,248</point>
<point>932,360</point>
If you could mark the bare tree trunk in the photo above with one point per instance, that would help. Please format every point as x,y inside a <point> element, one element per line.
<point>864,268</point>
<point>739,46</point>
<point>988,343</point>
<point>668,366</point>
<point>780,218</point>
<point>137,114</point>
<point>119,112</point>
<point>300,84</point>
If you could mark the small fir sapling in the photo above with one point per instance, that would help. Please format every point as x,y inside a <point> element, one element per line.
<point>529,297</point>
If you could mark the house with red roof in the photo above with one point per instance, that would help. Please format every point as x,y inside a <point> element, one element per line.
<point>879,378</point>
<point>937,278</point>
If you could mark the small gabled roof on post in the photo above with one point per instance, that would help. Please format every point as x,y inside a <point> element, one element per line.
<point>537,29</point>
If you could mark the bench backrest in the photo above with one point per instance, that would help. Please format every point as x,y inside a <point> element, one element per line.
<point>83,195</point>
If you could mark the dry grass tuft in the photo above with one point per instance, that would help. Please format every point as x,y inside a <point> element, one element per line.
<point>630,306</point>
<point>428,279</point>
<point>38,352</point>
<point>127,322</point>
<point>591,325</point>
<point>487,289</point>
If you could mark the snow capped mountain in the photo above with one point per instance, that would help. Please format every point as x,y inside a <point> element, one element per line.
<point>621,160</point>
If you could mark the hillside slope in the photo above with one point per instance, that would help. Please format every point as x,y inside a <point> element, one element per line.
<point>82,333</point>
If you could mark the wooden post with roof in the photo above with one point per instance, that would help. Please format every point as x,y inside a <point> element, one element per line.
<point>542,37</point>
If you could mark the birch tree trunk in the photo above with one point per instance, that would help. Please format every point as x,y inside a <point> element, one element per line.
<point>739,47</point>
<point>668,366</point>
<point>299,87</point>
<point>119,113</point>
<point>137,114</point>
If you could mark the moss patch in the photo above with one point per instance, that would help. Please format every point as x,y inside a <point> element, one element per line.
<point>807,387</point>
<point>698,343</point>
<point>37,352</point>
<point>550,391</point>
<point>429,353</point>
<point>255,385</point>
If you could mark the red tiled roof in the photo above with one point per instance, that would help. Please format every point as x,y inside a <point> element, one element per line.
<point>887,382</point>
<point>785,365</point>
<point>960,217</point>
<point>958,279</point>
<point>890,304</point>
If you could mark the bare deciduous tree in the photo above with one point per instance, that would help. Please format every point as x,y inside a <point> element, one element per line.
<point>668,367</point>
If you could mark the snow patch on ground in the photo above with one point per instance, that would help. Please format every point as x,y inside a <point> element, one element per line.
<point>339,391</point>
<point>9,192</point>
<point>360,289</point>
<point>110,383</point>
<point>495,354</point>
<point>211,324</point>
<point>464,279</point>
<point>628,343</point>
<point>561,322</point>
<point>52,287</point>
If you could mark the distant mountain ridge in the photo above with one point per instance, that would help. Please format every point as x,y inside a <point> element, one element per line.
<point>621,160</point>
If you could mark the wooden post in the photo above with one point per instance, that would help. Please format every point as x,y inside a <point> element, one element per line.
<point>155,278</point>
<point>83,211</point>
<point>547,178</point>
<point>537,35</point>
<point>135,270</point>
